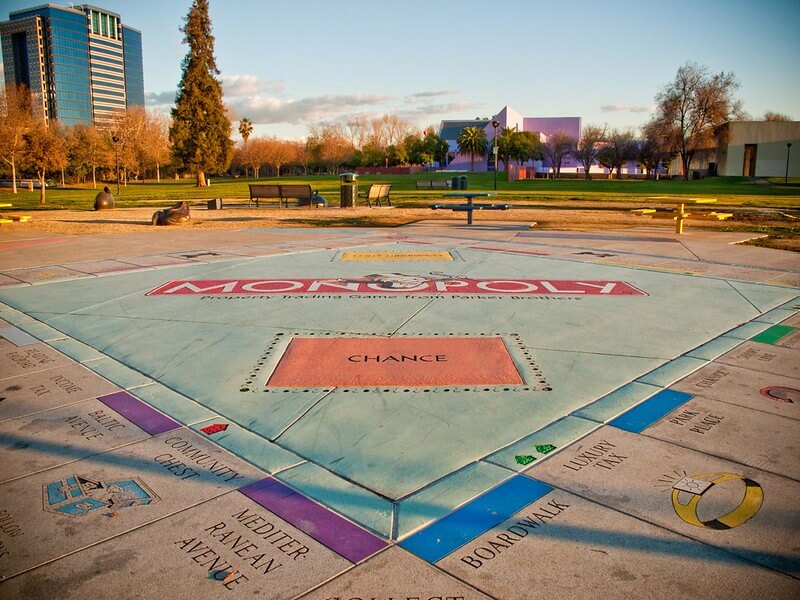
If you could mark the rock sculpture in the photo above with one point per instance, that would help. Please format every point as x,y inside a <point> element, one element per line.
<point>104,200</point>
<point>175,215</point>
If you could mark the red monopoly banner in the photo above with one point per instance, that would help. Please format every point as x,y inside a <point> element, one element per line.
<point>394,283</point>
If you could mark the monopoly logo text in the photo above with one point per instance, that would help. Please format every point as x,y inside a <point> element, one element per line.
<point>445,287</point>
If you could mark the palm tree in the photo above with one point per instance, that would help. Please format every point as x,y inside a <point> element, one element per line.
<point>472,141</point>
<point>245,128</point>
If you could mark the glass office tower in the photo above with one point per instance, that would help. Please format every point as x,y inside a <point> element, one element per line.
<point>77,61</point>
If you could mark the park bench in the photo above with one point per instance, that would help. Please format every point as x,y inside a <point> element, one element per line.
<point>679,215</point>
<point>282,191</point>
<point>432,184</point>
<point>377,192</point>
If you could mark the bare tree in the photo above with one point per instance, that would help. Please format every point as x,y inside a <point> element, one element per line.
<point>15,121</point>
<point>771,115</point>
<point>692,106</point>
<point>586,151</point>
<point>618,148</point>
<point>558,146</point>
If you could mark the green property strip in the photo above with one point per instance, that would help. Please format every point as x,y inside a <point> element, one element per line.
<point>773,334</point>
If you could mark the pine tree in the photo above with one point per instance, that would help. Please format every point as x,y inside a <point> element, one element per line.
<point>201,130</point>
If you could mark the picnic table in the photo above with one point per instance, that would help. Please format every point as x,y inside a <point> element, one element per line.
<point>470,206</point>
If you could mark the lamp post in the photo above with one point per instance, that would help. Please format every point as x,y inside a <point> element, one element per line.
<point>788,149</point>
<point>495,124</point>
<point>115,139</point>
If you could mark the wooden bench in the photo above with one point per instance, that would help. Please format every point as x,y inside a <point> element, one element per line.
<point>282,191</point>
<point>377,192</point>
<point>432,184</point>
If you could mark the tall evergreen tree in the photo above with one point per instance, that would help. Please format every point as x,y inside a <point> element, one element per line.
<point>201,130</point>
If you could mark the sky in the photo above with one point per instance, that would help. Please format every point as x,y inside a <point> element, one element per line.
<point>287,65</point>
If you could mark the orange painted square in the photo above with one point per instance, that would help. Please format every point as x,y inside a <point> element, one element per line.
<point>354,362</point>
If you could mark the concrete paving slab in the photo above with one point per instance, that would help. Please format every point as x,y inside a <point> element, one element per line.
<point>117,373</point>
<point>746,512</point>
<point>48,389</point>
<point>395,574</point>
<point>778,315</point>
<point>748,330</point>
<point>765,358</point>
<point>780,335</point>
<point>764,441</point>
<point>105,495</point>
<point>76,350</point>
<point>103,267</point>
<point>760,391</point>
<point>17,336</point>
<point>267,456</point>
<point>228,546</point>
<point>611,405</point>
<point>790,279</point>
<point>519,455</point>
<point>55,437</point>
<point>443,496</point>
<point>8,281</point>
<point>39,275</point>
<point>359,504</point>
<point>41,331</point>
<point>715,348</point>
<point>178,406</point>
<point>565,546</point>
<point>672,371</point>
<point>30,358</point>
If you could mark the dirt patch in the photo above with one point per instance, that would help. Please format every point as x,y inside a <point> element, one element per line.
<point>784,228</point>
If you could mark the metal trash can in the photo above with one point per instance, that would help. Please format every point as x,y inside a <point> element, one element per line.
<point>348,190</point>
<point>215,204</point>
<point>462,182</point>
<point>454,183</point>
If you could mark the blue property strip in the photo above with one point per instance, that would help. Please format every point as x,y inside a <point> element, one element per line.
<point>465,524</point>
<point>651,410</point>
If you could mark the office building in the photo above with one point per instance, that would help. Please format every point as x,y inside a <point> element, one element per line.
<point>81,63</point>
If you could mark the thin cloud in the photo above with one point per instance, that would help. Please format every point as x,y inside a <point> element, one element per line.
<point>271,110</point>
<point>160,99</point>
<point>249,85</point>
<point>414,98</point>
<point>626,108</point>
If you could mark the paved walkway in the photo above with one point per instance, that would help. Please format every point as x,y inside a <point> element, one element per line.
<point>427,412</point>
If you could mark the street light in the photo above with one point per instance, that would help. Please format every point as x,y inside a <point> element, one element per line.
<point>495,124</point>
<point>115,139</point>
<point>788,149</point>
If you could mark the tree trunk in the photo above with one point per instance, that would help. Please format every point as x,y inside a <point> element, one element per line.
<point>201,179</point>
<point>686,159</point>
<point>158,173</point>
<point>94,177</point>
<point>41,189</point>
<point>13,176</point>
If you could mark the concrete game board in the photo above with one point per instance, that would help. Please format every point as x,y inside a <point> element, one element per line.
<point>428,412</point>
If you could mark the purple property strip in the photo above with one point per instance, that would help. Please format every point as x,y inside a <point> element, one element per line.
<point>137,412</point>
<point>340,535</point>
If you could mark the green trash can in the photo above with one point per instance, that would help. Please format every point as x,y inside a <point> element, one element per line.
<point>462,182</point>
<point>348,190</point>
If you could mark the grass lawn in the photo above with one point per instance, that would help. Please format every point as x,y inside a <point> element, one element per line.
<point>732,191</point>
